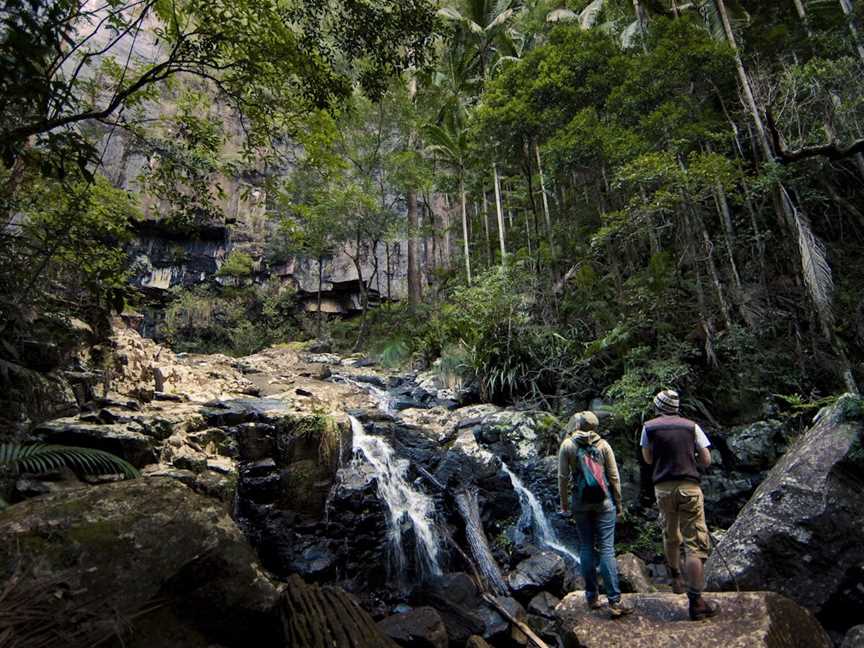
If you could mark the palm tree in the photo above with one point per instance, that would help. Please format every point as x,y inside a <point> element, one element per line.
<point>449,140</point>
<point>482,23</point>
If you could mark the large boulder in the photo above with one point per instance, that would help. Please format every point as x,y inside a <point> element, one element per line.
<point>421,627</point>
<point>748,620</point>
<point>633,574</point>
<point>542,571</point>
<point>800,534</point>
<point>169,560</point>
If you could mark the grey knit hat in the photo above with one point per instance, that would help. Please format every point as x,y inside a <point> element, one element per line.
<point>666,402</point>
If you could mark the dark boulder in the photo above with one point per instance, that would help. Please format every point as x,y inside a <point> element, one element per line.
<point>633,574</point>
<point>542,571</point>
<point>421,627</point>
<point>135,542</point>
<point>800,534</point>
<point>543,604</point>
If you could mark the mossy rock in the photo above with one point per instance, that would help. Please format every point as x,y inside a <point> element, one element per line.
<point>135,542</point>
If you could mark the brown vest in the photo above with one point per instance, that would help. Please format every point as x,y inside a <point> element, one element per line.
<point>673,441</point>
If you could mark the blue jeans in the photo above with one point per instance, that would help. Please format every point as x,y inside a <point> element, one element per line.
<point>597,549</point>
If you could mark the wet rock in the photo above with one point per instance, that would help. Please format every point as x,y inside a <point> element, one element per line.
<point>521,435</point>
<point>256,441</point>
<point>854,638</point>
<point>752,619</point>
<point>375,381</point>
<point>759,445</point>
<point>499,629</point>
<point>141,540</point>
<point>633,574</point>
<point>795,535</point>
<point>543,604</point>
<point>458,602</point>
<point>476,641</point>
<point>542,571</point>
<point>316,562</point>
<point>421,627</point>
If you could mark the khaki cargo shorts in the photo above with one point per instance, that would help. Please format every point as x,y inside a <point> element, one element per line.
<point>682,518</point>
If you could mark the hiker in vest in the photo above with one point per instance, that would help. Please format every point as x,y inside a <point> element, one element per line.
<point>586,462</point>
<point>674,445</point>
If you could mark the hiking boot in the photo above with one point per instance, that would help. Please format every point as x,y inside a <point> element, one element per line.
<point>594,603</point>
<point>702,609</point>
<point>618,610</point>
<point>678,584</point>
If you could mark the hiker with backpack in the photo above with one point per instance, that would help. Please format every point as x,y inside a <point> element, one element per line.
<point>587,464</point>
<point>674,446</point>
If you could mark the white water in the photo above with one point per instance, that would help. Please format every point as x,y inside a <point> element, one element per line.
<point>534,517</point>
<point>404,504</point>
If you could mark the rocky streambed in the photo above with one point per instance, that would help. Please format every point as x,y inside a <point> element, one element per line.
<point>433,512</point>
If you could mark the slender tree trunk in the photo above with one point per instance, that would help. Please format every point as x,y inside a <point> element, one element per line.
<point>502,235</point>
<point>445,243</point>
<point>640,16</point>
<point>414,285</point>
<point>465,227</point>
<point>320,284</point>
<point>489,253</point>
<point>846,5</point>
<point>545,198</point>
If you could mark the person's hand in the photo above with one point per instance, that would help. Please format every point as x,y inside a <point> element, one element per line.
<point>619,514</point>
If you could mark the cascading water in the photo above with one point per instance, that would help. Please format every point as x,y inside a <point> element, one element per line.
<point>533,517</point>
<point>404,503</point>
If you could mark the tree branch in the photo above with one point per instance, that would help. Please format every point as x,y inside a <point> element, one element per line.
<point>832,151</point>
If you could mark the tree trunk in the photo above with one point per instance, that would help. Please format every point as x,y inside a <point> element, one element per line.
<point>502,236</point>
<point>545,198</point>
<point>320,284</point>
<point>640,16</point>
<point>486,229</point>
<point>414,286</point>
<point>445,241</point>
<point>465,227</point>
<point>846,5</point>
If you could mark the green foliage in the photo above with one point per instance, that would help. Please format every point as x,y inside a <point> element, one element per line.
<point>235,321</point>
<point>237,265</point>
<point>42,458</point>
<point>645,373</point>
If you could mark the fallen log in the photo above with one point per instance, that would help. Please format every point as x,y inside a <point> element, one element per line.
<point>326,617</point>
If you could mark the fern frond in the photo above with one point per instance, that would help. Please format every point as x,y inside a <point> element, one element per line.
<point>40,457</point>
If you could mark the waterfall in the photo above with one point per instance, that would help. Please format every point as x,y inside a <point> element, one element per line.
<point>404,504</point>
<point>466,501</point>
<point>533,517</point>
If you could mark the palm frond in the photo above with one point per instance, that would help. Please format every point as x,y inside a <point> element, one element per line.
<point>630,35</point>
<point>561,15</point>
<point>814,267</point>
<point>40,457</point>
<point>590,14</point>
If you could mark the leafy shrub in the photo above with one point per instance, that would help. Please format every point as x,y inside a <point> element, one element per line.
<point>237,265</point>
<point>230,320</point>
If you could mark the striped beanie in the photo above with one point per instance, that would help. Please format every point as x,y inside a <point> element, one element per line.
<point>666,402</point>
